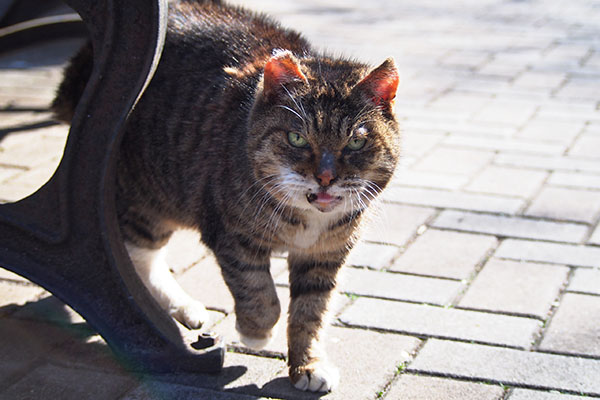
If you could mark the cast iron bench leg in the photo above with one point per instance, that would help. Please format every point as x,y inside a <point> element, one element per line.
<point>65,236</point>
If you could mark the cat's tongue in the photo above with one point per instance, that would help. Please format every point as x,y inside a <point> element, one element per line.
<point>324,198</point>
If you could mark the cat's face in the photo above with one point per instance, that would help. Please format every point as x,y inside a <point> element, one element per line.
<point>322,134</point>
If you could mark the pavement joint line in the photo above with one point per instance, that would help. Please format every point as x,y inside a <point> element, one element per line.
<point>539,336</point>
<point>500,382</point>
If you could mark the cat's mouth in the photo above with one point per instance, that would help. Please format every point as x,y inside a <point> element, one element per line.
<point>323,201</point>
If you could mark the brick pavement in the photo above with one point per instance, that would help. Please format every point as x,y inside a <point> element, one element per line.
<point>480,276</point>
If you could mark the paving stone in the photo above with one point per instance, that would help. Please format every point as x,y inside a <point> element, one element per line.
<point>527,250</point>
<point>15,294</point>
<point>433,180</point>
<point>11,276</point>
<point>576,180</point>
<point>524,394</point>
<point>8,172</point>
<point>534,80</point>
<point>456,200</point>
<point>585,281</point>
<point>516,287</point>
<point>507,181</point>
<point>418,144</point>
<point>55,382</point>
<point>23,344</point>
<point>394,286</point>
<point>595,238</point>
<point>513,145</point>
<point>32,148</point>
<point>372,255</point>
<point>565,204</point>
<point>454,161</point>
<point>506,112</point>
<point>242,373</point>
<point>184,250</point>
<point>375,359</point>
<point>430,321</point>
<point>154,390</point>
<point>574,328</point>
<point>445,254</point>
<point>508,366</point>
<point>47,308</point>
<point>548,163</point>
<point>511,226</point>
<point>395,224</point>
<point>586,146</point>
<point>414,387</point>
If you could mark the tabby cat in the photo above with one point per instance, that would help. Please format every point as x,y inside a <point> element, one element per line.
<point>262,144</point>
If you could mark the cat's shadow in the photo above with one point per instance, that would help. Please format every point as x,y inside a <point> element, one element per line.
<point>62,337</point>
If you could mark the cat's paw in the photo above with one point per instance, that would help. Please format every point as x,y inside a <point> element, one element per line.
<point>316,377</point>
<point>254,343</point>
<point>192,314</point>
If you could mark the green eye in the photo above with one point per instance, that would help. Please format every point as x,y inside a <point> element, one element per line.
<point>296,140</point>
<point>356,143</point>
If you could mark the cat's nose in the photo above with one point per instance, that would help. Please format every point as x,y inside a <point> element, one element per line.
<point>325,174</point>
<point>325,177</point>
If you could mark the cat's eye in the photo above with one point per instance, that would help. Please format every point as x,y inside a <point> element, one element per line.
<point>356,143</point>
<point>297,140</point>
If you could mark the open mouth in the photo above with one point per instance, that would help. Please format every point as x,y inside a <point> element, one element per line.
<point>323,201</point>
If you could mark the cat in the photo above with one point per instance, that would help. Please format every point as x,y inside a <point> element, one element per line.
<point>262,144</point>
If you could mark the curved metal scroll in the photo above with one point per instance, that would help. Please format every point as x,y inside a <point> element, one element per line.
<point>65,236</point>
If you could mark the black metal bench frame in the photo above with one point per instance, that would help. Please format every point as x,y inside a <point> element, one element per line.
<point>65,236</point>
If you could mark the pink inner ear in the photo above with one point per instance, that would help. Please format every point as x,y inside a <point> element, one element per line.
<point>281,69</point>
<point>382,83</point>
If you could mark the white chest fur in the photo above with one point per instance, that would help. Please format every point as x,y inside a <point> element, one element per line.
<point>314,225</point>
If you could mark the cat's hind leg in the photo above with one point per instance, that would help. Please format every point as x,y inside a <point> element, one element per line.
<point>151,266</point>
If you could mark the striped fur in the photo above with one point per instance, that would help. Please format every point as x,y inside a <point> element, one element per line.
<point>207,148</point>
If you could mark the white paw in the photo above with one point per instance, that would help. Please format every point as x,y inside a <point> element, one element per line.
<point>252,342</point>
<point>192,314</point>
<point>319,378</point>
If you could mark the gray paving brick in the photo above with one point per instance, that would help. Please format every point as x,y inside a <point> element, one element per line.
<point>445,254</point>
<point>455,161</point>
<point>55,382</point>
<point>548,163</point>
<point>507,181</point>
<point>524,394</point>
<point>566,204</point>
<point>516,288</point>
<point>26,183</point>
<point>372,255</point>
<point>513,145</point>
<point>595,238</point>
<point>506,112</point>
<point>184,250</point>
<point>576,180</point>
<point>8,172</point>
<point>394,286</point>
<point>509,366</point>
<point>11,276</point>
<point>424,320</point>
<point>586,146</point>
<point>516,227</point>
<point>567,254</point>
<point>456,200</point>
<point>16,294</point>
<point>32,148</point>
<point>435,180</point>
<point>534,80</point>
<point>23,344</point>
<point>585,281</point>
<point>414,387</point>
<point>558,132</point>
<point>395,224</point>
<point>48,308</point>
<point>418,144</point>
<point>574,328</point>
<point>155,390</point>
<point>375,359</point>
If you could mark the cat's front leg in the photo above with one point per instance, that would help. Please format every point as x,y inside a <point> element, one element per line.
<point>311,286</point>
<point>257,308</point>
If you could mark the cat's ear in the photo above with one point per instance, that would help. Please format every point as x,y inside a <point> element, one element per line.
<point>381,84</point>
<point>282,70</point>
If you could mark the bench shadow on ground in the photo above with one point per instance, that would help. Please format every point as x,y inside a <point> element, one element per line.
<point>62,337</point>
